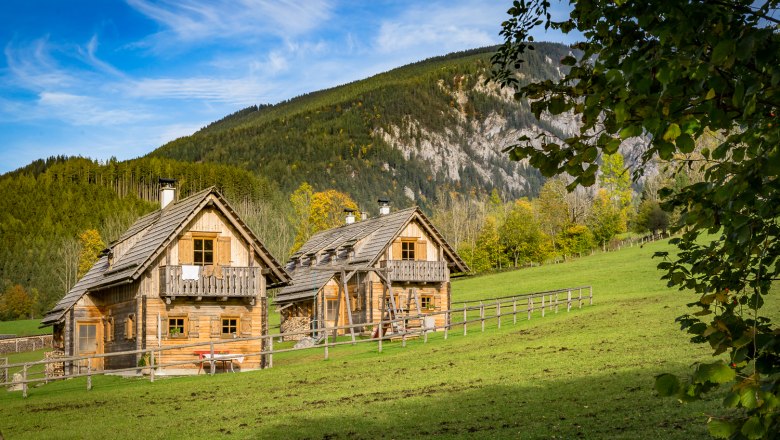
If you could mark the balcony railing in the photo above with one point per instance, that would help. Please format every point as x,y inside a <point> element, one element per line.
<point>234,282</point>
<point>416,271</point>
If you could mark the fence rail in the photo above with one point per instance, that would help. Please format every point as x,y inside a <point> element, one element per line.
<point>230,282</point>
<point>390,329</point>
<point>416,271</point>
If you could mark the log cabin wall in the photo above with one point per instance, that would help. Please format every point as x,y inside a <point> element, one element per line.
<point>425,249</point>
<point>210,220</point>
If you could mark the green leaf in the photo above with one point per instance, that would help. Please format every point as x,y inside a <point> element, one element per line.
<point>731,400</point>
<point>748,398</point>
<point>721,428</point>
<point>710,94</point>
<point>753,428</point>
<point>667,384</point>
<point>630,131</point>
<point>685,143</point>
<point>666,150</point>
<point>672,132</point>
<point>717,372</point>
<point>722,51</point>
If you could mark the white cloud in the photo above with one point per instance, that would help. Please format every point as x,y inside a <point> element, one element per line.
<point>199,20</point>
<point>445,27</point>
<point>240,91</point>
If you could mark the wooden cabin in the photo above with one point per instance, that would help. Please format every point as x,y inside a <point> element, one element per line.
<point>189,272</point>
<point>340,276</point>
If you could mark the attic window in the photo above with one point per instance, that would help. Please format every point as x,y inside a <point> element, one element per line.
<point>203,253</point>
<point>407,250</point>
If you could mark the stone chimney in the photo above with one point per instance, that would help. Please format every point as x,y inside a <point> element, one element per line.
<point>350,215</point>
<point>167,192</point>
<point>384,206</point>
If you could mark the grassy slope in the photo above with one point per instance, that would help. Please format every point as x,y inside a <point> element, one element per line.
<point>588,374</point>
<point>23,327</point>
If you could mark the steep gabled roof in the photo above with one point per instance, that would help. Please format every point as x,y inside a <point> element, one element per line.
<point>368,239</point>
<point>152,234</point>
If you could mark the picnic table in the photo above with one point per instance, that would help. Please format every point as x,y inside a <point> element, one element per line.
<point>225,357</point>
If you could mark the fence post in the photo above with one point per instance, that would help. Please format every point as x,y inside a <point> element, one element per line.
<point>89,374</point>
<point>326,347</point>
<point>498,312</point>
<point>514,310</point>
<point>482,314</point>
<point>543,295</point>
<point>580,299</point>
<point>425,334</point>
<point>271,352</point>
<point>530,306</point>
<point>465,318</point>
<point>568,301</point>
<point>446,324</point>
<point>152,366</point>
<point>212,364</point>
<point>24,380</point>
<point>591,295</point>
<point>556,302</point>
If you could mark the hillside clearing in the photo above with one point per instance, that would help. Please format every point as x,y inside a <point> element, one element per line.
<point>588,373</point>
<point>23,327</point>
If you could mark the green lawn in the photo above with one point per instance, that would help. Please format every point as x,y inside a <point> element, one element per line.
<point>584,374</point>
<point>23,327</point>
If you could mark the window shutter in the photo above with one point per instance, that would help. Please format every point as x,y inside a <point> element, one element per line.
<point>421,251</point>
<point>216,327</point>
<point>396,250</point>
<point>223,251</point>
<point>246,325</point>
<point>185,249</point>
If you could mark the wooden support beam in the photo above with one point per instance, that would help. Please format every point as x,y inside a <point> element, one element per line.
<point>349,306</point>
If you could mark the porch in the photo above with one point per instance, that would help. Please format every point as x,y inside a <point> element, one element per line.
<point>211,281</point>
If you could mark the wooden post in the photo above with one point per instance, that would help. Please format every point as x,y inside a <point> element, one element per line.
<point>326,347</point>
<point>568,301</point>
<point>543,295</point>
<point>382,308</point>
<point>151,366</point>
<point>89,374</point>
<point>530,306</point>
<point>425,335</point>
<point>580,297</point>
<point>498,312</point>
<point>591,295</point>
<point>465,318</point>
<point>24,380</point>
<point>446,324</point>
<point>556,302</point>
<point>270,352</point>
<point>338,311</point>
<point>403,338</point>
<point>482,314</point>
<point>514,310</point>
<point>349,306</point>
<point>211,360</point>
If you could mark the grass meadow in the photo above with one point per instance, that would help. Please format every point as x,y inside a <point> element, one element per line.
<point>23,327</point>
<point>588,373</point>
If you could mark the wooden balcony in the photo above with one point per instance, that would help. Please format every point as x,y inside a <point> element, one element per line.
<point>234,282</point>
<point>416,271</point>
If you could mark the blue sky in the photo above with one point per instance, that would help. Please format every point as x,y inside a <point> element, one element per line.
<point>106,78</point>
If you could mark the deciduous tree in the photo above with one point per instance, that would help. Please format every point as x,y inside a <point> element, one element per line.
<point>671,72</point>
<point>91,245</point>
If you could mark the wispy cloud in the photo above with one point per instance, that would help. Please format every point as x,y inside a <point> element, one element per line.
<point>198,20</point>
<point>445,26</point>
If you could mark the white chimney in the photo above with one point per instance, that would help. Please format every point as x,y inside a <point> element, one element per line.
<point>384,206</point>
<point>167,192</point>
<point>350,215</point>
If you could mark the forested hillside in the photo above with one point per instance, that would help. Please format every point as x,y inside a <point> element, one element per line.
<point>405,134</point>
<point>48,204</point>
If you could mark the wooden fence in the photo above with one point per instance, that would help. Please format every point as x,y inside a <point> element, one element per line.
<point>403,328</point>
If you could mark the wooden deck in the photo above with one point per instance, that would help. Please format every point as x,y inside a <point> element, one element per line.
<point>234,282</point>
<point>416,271</point>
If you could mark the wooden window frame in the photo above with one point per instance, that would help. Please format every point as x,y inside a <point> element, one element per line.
<point>204,238</point>
<point>108,329</point>
<point>79,325</point>
<point>130,326</point>
<point>236,327</point>
<point>181,334</point>
<point>328,315</point>
<point>408,249</point>
<point>427,302</point>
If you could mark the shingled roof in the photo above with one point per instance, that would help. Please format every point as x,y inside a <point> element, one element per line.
<point>152,234</point>
<point>368,239</point>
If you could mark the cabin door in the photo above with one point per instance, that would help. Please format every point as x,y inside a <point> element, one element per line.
<point>89,341</point>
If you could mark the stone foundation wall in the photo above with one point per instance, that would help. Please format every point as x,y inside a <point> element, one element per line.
<point>295,324</point>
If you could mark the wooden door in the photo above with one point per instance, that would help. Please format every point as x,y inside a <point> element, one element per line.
<point>89,341</point>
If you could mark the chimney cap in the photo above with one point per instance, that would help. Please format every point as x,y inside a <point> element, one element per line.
<point>383,200</point>
<point>349,210</point>
<point>166,181</point>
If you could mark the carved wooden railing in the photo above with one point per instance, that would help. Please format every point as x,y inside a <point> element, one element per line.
<point>235,281</point>
<point>416,271</point>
